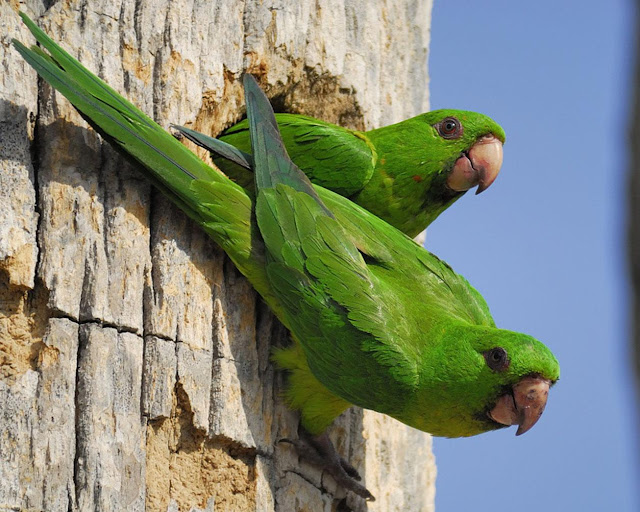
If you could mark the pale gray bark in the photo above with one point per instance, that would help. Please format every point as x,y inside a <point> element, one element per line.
<point>135,368</point>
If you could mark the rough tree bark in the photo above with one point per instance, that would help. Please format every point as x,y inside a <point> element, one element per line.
<point>134,358</point>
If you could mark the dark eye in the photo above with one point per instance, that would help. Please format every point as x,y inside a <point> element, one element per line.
<point>497,359</point>
<point>449,128</point>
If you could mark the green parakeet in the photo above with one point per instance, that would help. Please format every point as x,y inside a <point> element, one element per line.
<point>407,173</point>
<point>376,320</point>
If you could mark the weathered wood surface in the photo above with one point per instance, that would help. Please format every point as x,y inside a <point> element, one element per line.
<point>134,358</point>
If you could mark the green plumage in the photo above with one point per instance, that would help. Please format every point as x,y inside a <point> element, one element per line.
<point>377,321</point>
<point>398,172</point>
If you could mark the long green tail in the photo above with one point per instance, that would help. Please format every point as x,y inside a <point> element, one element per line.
<point>220,206</point>
<point>170,163</point>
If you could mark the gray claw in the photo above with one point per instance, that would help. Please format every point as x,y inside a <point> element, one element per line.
<point>319,451</point>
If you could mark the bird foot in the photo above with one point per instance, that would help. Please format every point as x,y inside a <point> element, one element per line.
<point>319,451</point>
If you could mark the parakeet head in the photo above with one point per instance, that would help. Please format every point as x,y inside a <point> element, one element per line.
<point>424,164</point>
<point>481,378</point>
<point>471,145</point>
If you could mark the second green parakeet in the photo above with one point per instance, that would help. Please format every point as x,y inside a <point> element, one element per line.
<point>407,173</point>
<point>376,320</point>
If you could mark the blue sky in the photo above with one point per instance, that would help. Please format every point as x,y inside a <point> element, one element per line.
<point>545,244</point>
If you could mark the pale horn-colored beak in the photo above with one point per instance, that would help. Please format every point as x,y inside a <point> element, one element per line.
<point>524,406</point>
<point>478,166</point>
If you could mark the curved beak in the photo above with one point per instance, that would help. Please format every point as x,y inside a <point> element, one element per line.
<point>524,405</point>
<point>478,166</point>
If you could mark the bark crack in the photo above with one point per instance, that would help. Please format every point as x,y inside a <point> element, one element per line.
<point>102,324</point>
<point>35,164</point>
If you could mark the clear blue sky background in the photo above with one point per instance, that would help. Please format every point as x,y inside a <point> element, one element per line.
<point>545,244</point>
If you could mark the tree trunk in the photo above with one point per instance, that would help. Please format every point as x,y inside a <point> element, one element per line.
<point>135,368</point>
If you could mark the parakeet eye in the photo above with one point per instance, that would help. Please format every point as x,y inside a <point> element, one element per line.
<point>497,359</point>
<point>449,128</point>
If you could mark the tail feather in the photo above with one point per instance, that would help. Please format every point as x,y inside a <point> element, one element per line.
<point>220,148</point>
<point>272,165</point>
<point>170,165</point>
<point>223,208</point>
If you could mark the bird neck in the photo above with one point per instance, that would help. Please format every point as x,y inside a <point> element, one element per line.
<point>445,376</point>
<point>407,185</point>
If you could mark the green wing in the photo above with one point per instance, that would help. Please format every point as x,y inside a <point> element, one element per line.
<point>406,265</point>
<point>333,157</point>
<point>331,300</point>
